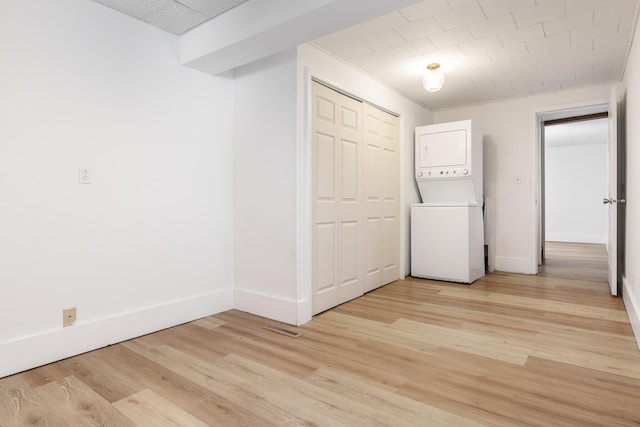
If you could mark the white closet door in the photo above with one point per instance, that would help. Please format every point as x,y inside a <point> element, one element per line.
<point>337,188</point>
<point>390,198</point>
<point>356,187</point>
<point>373,182</point>
<point>382,204</point>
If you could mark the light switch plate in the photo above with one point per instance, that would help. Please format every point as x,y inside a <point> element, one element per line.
<point>84,175</point>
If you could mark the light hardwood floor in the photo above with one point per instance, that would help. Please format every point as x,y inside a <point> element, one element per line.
<point>585,261</point>
<point>508,350</point>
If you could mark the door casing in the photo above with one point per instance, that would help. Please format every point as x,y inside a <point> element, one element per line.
<point>539,116</point>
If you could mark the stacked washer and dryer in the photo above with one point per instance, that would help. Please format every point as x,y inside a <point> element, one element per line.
<point>447,228</point>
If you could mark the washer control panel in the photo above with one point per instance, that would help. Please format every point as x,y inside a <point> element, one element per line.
<point>444,173</point>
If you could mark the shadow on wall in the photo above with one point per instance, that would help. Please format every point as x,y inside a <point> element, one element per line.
<point>489,153</point>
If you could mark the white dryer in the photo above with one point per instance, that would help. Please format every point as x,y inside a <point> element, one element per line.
<point>447,229</point>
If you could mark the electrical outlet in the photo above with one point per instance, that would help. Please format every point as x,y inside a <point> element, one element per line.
<point>68,317</point>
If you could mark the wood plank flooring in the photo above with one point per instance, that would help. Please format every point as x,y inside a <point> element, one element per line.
<point>508,350</point>
<point>584,261</point>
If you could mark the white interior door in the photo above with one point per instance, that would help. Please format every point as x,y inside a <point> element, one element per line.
<point>390,198</point>
<point>337,187</point>
<point>350,147</point>
<point>356,198</point>
<point>325,209</point>
<point>541,194</point>
<point>373,142</point>
<point>612,246</point>
<point>382,201</point>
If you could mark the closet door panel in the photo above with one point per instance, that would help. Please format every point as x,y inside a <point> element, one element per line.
<point>350,193</point>
<point>325,216</point>
<point>337,182</point>
<point>373,181</point>
<point>391,199</point>
<point>382,189</point>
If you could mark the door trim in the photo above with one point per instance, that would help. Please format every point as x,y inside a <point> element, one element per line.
<point>304,208</point>
<point>538,116</point>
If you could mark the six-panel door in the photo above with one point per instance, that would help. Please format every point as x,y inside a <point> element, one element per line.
<point>355,198</point>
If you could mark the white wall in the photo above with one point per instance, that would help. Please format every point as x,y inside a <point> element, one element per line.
<point>148,244</point>
<point>509,156</point>
<point>576,179</point>
<point>265,187</point>
<point>631,279</point>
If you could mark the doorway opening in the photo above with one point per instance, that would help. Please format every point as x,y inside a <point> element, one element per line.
<point>575,179</point>
<point>562,127</point>
<point>573,155</point>
<point>586,262</point>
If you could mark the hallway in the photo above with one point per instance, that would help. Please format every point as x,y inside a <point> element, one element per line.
<point>578,261</point>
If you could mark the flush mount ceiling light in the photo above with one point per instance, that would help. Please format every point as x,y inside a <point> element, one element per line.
<point>433,79</point>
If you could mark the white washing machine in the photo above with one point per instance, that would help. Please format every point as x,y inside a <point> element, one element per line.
<point>447,229</point>
<point>444,243</point>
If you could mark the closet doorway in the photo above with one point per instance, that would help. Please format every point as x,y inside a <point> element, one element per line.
<point>355,196</point>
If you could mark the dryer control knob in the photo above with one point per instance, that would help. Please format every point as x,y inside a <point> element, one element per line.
<point>419,173</point>
<point>466,171</point>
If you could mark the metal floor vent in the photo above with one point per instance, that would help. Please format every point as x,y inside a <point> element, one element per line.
<point>283,331</point>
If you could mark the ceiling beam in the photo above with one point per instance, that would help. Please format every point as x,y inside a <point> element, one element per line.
<point>260,28</point>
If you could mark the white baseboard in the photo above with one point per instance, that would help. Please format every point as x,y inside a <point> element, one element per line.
<point>268,306</point>
<point>633,310</point>
<point>513,265</point>
<point>304,312</point>
<point>576,237</point>
<point>36,350</point>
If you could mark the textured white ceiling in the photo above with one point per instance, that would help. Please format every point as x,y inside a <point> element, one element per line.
<point>176,17</point>
<point>489,49</point>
